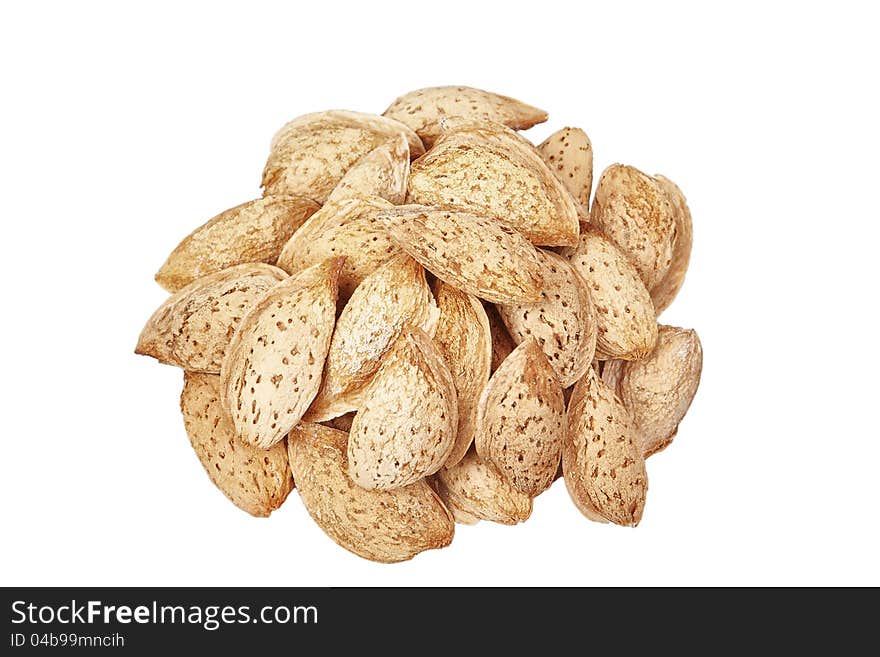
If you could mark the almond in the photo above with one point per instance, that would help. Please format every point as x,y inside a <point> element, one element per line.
<point>345,227</point>
<point>521,420</point>
<point>192,328</point>
<point>472,253</point>
<point>563,321</point>
<point>255,480</point>
<point>494,174</point>
<point>312,153</point>
<point>385,526</point>
<point>569,154</point>
<point>602,464</point>
<point>658,390</point>
<point>342,423</point>
<point>382,172</point>
<point>251,232</point>
<point>666,290</point>
<point>272,368</point>
<point>632,210</point>
<point>502,343</point>
<point>464,340</point>
<point>405,427</point>
<point>392,297</point>
<point>421,109</point>
<point>625,319</point>
<point>473,490</point>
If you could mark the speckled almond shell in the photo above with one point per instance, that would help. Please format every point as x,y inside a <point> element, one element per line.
<point>625,319</point>
<point>473,489</point>
<point>272,368</point>
<point>632,211</point>
<point>658,390</point>
<point>255,480</point>
<point>192,328</point>
<point>384,526</point>
<point>502,343</point>
<point>493,174</point>
<point>311,154</point>
<point>345,227</point>
<point>521,420</point>
<point>666,290</point>
<point>251,232</point>
<point>464,339</point>
<point>405,427</point>
<point>472,253</point>
<point>569,154</point>
<point>392,297</point>
<point>421,109</point>
<point>563,322</point>
<point>602,464</point>
<point>382,172</point>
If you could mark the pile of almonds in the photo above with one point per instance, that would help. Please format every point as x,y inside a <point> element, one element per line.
<point>424,321</point>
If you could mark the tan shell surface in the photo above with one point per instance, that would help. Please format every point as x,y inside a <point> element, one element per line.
<point>563,322</point>
<point>632,210</point>
<point>312,153</point>
<point>423,108</point>
<point>625,320</point>
<point>658,390</point>
<point>472,253</point>
<point>521,420</point>
<point>345,227</point>
<point>192,327</point>
<point>255,480</point>
<point>251,232</point>
<point>464,340</point>
<point>382,172</point>
<point>394,296</point>
<point>381,525</point>
<point>477,490</point>
<point>491,174</point>
<point>405,427</point>
<point>602,462</point>
<point>502,343</point>
<point>272,368</point>
<point>666,290</point>
<point>569,154</point>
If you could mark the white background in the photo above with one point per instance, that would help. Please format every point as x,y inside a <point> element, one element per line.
<point>123,128</point>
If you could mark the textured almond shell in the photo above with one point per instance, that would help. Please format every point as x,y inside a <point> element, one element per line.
<point>496,176</point>
<point>602,464</point>
<point>404,429</point>
<point>272,368</point>
<point>521,420</point>
<point>632,210</point>
<point>311,154</point>
<point>658,390</point>
<point>255,480</point>
<point>382,172</point>
<point>666,290</point>
<point>421,109</point>
<point>392,297</point>
<point>625,321</point>
<point>502,343</point>
<point>192,328</point>
<point>472,253</point>
<point>464,339</point>
<point>251,232</point>
<point>563,321</point>
<point>384,526</point>
<point>345,227</point>
<point>569,154</point>
<point>477,490</point>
